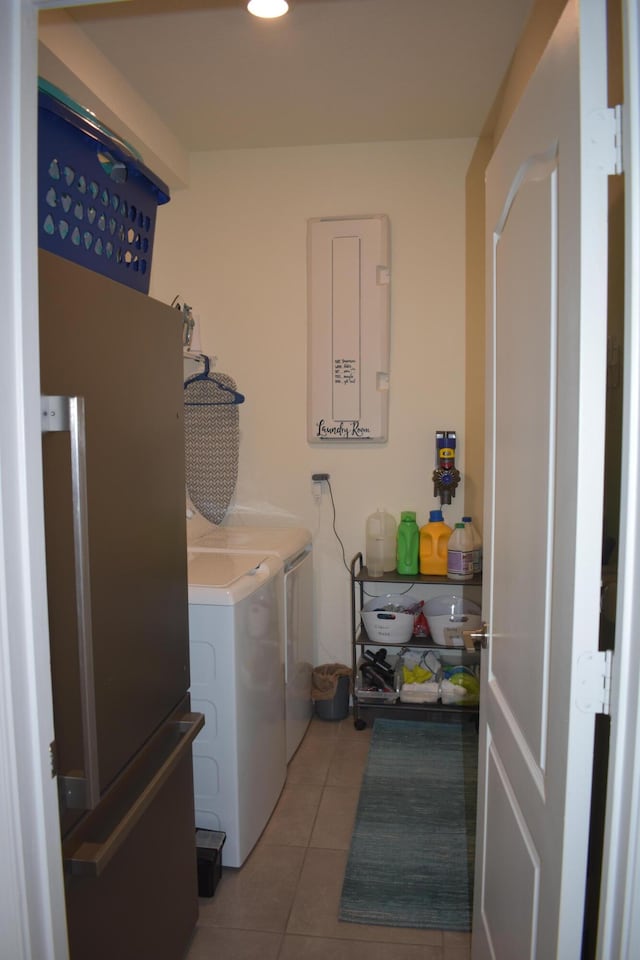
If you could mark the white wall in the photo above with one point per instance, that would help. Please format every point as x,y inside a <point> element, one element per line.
<point>233,246</point>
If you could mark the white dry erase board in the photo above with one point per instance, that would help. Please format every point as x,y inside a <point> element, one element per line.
<point>348,344</point>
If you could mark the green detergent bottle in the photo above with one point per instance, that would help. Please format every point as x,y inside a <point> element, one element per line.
<point>408,544</point>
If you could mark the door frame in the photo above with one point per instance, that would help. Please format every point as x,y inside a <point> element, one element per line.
<point>32,903</point>
<point>619,919</point>
<point>32,912</point>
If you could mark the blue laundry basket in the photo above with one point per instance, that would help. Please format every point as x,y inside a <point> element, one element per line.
<point>97,201</point>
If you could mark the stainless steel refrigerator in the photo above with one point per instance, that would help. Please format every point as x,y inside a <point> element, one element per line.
<point>113,461</point>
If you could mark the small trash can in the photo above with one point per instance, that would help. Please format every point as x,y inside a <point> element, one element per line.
<point>330,686</point>
<point>209,844</point>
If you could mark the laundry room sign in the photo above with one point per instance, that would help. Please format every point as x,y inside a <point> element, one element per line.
<point>348,359</point>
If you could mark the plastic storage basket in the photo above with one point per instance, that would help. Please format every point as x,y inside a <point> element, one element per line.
<point>448,616</point>
<point>97,201</point>
<point>386,622</point>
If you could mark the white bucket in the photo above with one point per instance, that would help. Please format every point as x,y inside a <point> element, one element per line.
<point>448,616</point>
<point>388,626</point>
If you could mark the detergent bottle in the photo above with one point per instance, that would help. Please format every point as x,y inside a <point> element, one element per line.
<point>380,551</point>
<point>408,543</point>
<point>460,553</point>
<point>477,545</point>
<point>434,539</point>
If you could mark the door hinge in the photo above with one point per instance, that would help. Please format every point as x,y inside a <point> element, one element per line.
<point>594,682</point>
<point>605,140</point>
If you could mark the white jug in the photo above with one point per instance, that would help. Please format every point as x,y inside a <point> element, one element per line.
<point>380,543</point>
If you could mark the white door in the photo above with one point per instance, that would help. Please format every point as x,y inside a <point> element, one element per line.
<point>546,198</point>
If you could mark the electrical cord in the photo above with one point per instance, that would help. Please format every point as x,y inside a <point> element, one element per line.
<point>344,556</point>
<point>337,535</point>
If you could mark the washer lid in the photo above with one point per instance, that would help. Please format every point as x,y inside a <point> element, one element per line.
<point>225,578</point>
<point>284,542</point>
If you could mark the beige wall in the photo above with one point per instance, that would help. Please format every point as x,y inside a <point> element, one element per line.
<point>234,246</point>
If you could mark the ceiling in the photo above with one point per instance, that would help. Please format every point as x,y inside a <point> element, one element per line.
<point>330,71</point>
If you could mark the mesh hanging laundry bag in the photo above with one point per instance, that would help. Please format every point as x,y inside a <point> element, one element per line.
<point>212,441</point>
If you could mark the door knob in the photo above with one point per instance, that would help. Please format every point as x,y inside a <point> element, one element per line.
<point>476,639</point>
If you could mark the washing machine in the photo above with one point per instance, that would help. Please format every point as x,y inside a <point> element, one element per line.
<point>294,548</point>
<point>237,681</point>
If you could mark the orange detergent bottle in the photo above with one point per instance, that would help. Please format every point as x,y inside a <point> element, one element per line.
<point>434,539</point>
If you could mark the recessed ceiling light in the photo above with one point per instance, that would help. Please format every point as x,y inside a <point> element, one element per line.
<point>267,9</point>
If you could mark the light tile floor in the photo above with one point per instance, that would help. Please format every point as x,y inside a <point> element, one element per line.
<point>282,904</point>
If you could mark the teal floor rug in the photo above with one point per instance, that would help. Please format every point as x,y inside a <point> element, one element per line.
<point>412,851</point>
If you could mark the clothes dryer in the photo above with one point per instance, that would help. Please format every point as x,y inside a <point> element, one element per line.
<point>237,681</point>
<point>294,548</point>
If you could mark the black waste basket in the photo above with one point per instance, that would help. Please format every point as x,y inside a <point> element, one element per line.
<point>209,844</point>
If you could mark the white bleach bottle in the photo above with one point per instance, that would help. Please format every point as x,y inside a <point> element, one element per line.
<point>460,553</point>
<point>477,545</point>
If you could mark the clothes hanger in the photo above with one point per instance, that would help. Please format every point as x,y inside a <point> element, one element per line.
<point>207,376</point>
